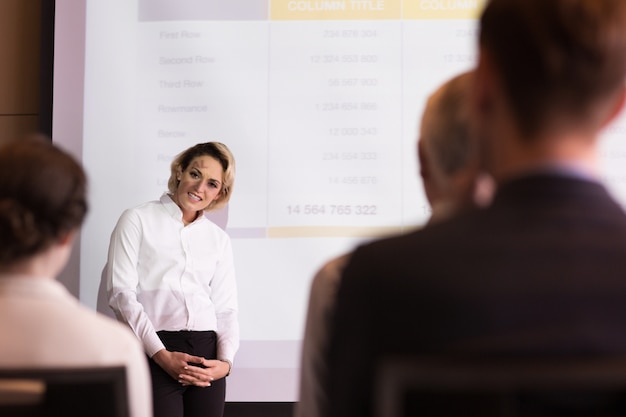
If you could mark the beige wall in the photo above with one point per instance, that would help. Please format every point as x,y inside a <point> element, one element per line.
<point>20,31</point>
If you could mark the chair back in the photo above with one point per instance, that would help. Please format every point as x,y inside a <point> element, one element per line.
<point>73,392</point>
<point>504,387</point>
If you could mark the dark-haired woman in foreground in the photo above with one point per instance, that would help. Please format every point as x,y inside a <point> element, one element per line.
<point>42,207</point>
<point>170,276</point>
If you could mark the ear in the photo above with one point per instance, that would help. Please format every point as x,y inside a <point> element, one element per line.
<point>617,106</point>
<point>423,160</point>
<point>67,238</point>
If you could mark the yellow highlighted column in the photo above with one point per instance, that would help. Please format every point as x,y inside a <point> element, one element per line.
<point>442,9</point>
<point>335,9</point>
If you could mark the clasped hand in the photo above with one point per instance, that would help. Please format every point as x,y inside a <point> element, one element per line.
<point>191,370</point>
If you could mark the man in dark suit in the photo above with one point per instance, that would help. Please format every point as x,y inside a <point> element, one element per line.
<point>453,181</point>
<point>543,269</point>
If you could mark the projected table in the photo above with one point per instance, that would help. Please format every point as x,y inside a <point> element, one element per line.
<point>319,101</point>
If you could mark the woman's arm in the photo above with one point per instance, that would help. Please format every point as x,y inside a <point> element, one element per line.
<point>224,297</point>
<point>123,280</point>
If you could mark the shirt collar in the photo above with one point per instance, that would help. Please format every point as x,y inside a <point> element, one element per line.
<point>174,211</point>
<point>562,169</point>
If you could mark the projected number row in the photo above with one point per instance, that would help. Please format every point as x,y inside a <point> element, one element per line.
<point>334,123</point>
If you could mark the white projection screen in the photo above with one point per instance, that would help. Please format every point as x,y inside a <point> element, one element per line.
<point>319,102</point>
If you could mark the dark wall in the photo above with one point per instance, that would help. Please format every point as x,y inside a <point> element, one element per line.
<point>46,72</point>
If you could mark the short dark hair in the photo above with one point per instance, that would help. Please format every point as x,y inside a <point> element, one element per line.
<point>556,58</point>
<point>42,196</point>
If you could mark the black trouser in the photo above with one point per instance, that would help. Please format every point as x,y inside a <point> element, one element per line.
<point>171,399</point>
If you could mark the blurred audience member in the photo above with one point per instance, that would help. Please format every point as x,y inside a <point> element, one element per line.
<point>42,206</point>
<point>452,180</point>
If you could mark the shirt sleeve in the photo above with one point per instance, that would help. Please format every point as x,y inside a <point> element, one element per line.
<point>122,280</point>
<point>224,297</point>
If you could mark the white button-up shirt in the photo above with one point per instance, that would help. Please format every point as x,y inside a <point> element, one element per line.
<point>163,275</point>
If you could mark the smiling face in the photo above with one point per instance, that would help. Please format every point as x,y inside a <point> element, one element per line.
<point>199,185</point>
